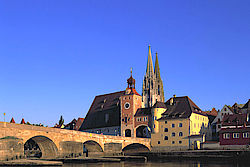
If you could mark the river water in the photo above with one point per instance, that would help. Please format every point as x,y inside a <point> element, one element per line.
<point>162,164</point>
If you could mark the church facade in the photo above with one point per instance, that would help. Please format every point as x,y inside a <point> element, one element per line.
<point>127,113</point>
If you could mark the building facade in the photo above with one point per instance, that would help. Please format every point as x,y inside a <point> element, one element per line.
<point>182,126</point>
<point>235,130</point>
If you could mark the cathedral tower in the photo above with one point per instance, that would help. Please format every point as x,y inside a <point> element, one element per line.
<point>159,83</point>
<point>152,87</point>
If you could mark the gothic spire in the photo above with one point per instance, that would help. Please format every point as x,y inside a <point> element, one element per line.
<point>150,68</point>
<point>157,69</point>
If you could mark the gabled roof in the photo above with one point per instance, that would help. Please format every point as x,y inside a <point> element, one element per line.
<point>22,121</point>
<point>12,120</point>
<point>133,91</point>
<point>247,105</point>
<point>72,122</point>
<point>213,112</point>
<point>104,112</point>
<point>181,107</point>
<point>235,119</point>
<point>143,112</point>
<point>79,123</point>
<point>159,104</point>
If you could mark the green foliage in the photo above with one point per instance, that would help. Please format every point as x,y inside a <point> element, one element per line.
<point>61,121</point>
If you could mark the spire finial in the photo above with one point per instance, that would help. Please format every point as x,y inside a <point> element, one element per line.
<point>131,71</point>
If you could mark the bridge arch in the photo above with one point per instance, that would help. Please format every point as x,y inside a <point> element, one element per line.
<point>45,145</point>
<point>92,146</point>
<point>135,147</point>
<point>143,131</point>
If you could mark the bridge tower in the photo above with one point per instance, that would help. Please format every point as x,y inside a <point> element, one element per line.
<point>130,102</point>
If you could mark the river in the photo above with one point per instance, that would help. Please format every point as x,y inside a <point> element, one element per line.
<point>160,164</point>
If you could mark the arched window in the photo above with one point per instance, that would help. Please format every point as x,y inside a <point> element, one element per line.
<point>180,134</point>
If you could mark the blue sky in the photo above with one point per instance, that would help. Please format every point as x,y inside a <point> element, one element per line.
<point>56,55</point>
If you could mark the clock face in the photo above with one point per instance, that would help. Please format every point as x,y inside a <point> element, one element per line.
<point>127,105</point>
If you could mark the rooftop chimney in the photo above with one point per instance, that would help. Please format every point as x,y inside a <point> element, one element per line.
<point>172,100</point>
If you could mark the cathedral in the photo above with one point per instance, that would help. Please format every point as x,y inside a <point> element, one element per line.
<point>127,113</point>
<point>152,89</point>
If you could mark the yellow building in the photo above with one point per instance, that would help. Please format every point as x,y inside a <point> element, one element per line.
<point>182,126</point>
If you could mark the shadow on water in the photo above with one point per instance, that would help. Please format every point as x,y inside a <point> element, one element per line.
<point>163,164</point>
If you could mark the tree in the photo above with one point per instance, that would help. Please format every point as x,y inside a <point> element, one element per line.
<point>61,121</point>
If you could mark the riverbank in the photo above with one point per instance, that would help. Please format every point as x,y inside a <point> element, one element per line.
<point>29,162</point>
<point>197,154</point>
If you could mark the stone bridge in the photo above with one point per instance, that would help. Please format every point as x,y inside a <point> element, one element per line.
<point>54,142</point>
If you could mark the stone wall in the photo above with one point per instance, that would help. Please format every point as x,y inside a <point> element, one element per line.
<point>71,149</point>
<point>113,147</point>
<point>11,148</point>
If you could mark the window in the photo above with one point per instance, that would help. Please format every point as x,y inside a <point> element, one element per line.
<point>180,124</point>
<point>159,142</point>
<point>166,130</point>
<point>226,135</point>
<point>245,135</point>
<point>154,125</point>
<point>172,142</point>
<point>166,138</point>
<point>180,134</point>
<point>225,109</point>
<point>219,126</point>
<point>194,125</point>
<point>180,142</point>
<point>173,134</point>
<point>126,119</point>
<point>166,122</point>
<point>173,125</point>
<point>236,135</point>
<point>155,118</point>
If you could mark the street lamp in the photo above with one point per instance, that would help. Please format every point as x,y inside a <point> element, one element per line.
<point>4,116</point>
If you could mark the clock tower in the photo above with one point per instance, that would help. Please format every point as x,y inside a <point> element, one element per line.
<point>130,102</point>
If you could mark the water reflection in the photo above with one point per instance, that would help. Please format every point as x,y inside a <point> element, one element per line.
<point>158,164</point>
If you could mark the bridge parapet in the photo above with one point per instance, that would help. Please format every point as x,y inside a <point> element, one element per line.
<point>62,138</point>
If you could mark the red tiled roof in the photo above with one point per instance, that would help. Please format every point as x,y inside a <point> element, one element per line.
<point>235,119</point>
<point>213,112</point>
<point>79,123</point>
<point>12,120</point>
<point>133,91</point>
<point>22,121</point>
